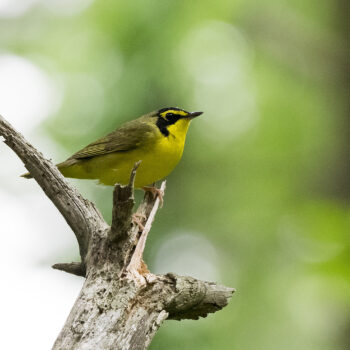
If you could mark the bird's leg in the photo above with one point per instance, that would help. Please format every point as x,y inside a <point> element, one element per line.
<point>155,192</point>
<point>138,219</point>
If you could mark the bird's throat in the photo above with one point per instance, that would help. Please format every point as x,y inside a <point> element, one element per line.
<point>180,128</point>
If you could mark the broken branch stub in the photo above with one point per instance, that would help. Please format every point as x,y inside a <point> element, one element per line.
<point>123,203</point>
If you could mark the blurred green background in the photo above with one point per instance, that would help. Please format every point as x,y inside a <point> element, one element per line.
<point>260,200</point>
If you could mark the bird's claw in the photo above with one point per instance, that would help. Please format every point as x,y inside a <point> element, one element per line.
<point>156,192</point>
<point>138,219</point>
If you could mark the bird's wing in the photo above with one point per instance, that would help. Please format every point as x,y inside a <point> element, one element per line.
<point>128,137</point>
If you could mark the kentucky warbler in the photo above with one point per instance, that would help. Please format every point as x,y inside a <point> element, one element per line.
<point>156,138</point>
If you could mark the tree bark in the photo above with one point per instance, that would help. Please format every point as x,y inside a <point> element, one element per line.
<point>121,304</point>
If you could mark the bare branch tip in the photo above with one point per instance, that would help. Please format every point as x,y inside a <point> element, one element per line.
<point>75,268</point>
<point>163,185</point>
<point>133,173</point>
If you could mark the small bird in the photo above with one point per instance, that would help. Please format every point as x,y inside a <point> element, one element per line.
<point>156,138</point>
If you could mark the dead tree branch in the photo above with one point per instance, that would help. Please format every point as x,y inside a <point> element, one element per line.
<point>121,305</point>
<point>81,215</point>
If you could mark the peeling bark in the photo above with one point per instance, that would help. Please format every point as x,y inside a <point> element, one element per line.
<point>121,304</point>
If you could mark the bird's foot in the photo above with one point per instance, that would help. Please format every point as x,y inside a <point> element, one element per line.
<point>138,220</point>
<point>156,192</point>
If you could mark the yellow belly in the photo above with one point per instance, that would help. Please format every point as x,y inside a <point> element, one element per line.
<point>158,161</point>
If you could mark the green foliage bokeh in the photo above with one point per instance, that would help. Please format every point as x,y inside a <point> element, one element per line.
<point>258,195</point>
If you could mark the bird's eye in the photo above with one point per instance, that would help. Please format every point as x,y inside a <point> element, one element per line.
<point>170,116</point>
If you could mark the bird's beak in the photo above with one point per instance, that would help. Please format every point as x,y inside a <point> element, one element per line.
<point>194,114</point>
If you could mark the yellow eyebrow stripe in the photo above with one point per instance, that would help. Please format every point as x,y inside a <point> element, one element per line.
<point>175,111</point>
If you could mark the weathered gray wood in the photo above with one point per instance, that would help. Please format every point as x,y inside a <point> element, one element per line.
<point>121,305</point>
<point>135,311</point>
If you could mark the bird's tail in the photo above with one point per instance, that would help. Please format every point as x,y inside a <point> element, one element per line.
<point>60,166</point>
<point>27,176</point>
